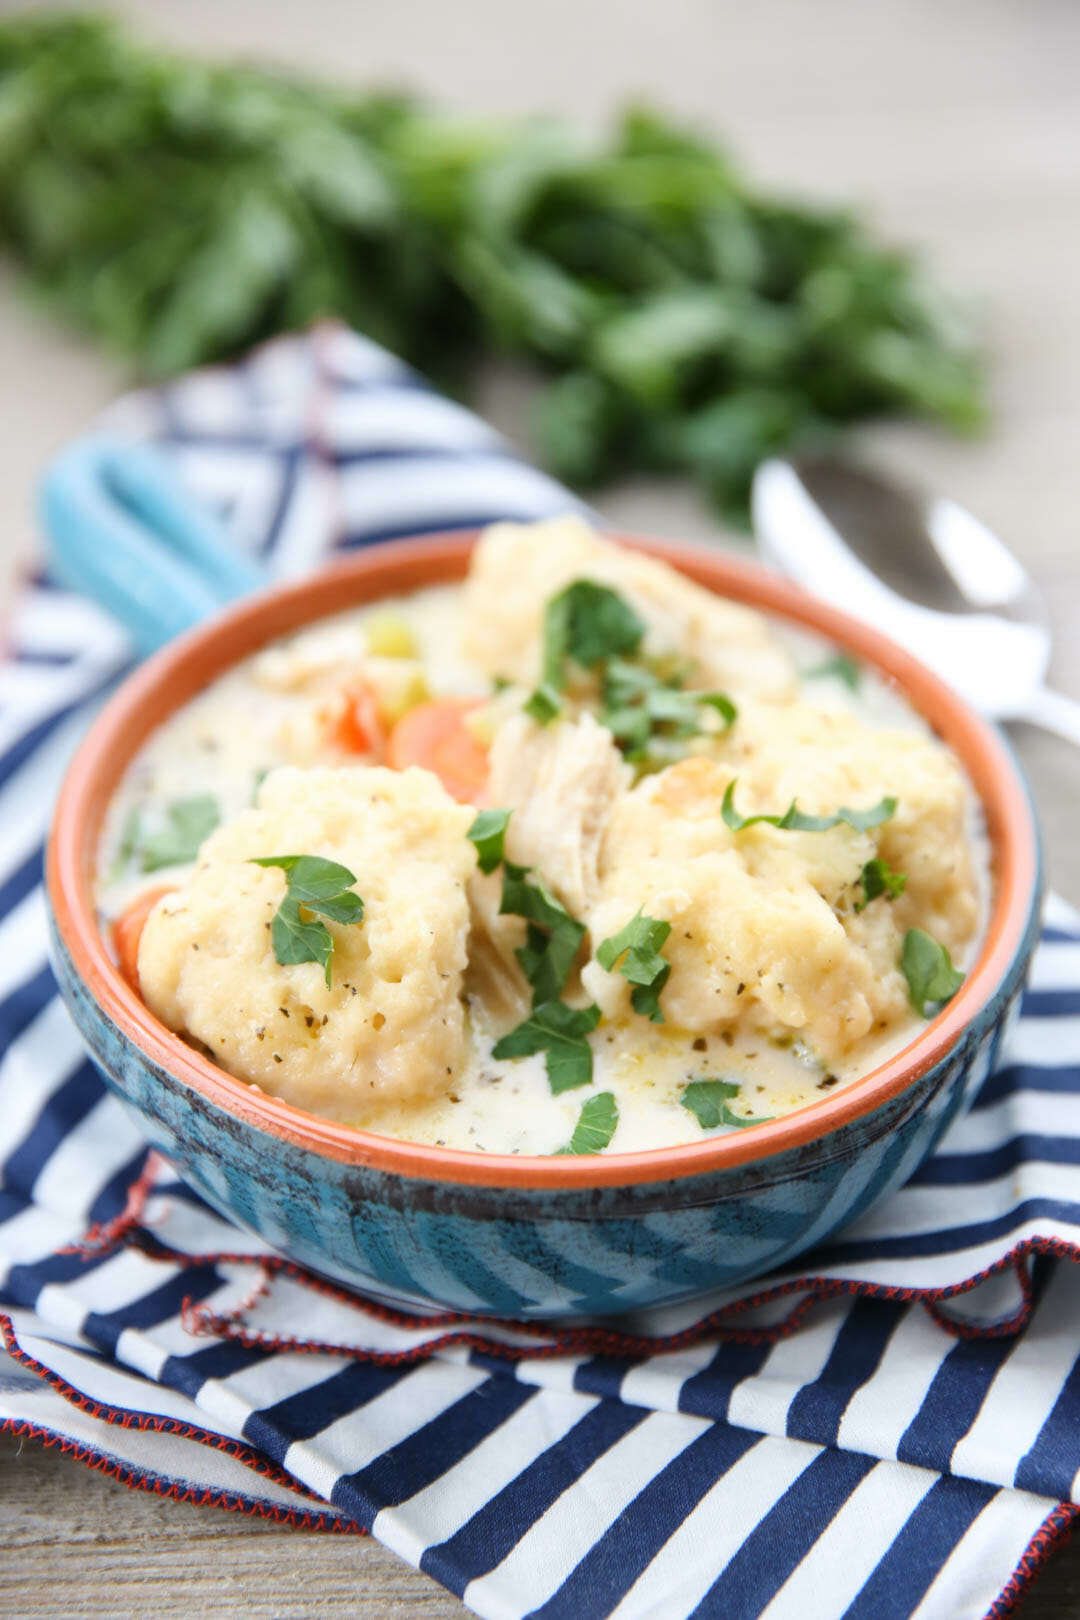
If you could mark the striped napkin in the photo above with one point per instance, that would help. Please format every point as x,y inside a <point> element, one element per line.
<point>891,1429</point>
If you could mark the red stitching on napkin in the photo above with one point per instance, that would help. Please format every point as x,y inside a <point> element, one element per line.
<point>1054,1532</point>
<point>198,1318</point>
<point>126,1418</point>
<point>596,1339</point>
<point>139,1480</point>
<point>105,1235</point>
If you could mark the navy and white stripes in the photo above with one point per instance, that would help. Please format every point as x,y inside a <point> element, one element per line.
<point>867,1436</point>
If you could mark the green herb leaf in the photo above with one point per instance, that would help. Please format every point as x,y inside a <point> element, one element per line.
<point>296,940</point>
<point>585,622</point>
<point>693,323</point>
<point>553,936</point>
<point>645,998</point>
<point>635,949</point>
<point>559,1032</point>
<point>639,707</point>
<point>878,878</point>
<point>543,704</point>
<point>795,820</point>
<point>588,623</point>
<point>596,1125</point>
<point>708,1100</point>
<point>488,832</point>
<point>928,969</point>
<point>742,1120</point>
<point>314,885</point>
<point>128,844</point>
<point>187,823</point>
<point>842,667</point>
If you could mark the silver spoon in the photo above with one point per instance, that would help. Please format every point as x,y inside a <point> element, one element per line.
<point>924,571</point>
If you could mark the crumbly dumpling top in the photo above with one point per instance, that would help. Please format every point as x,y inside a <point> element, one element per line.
<point>390,1029</point>
<point>516,568</point>
<point>765,931</point>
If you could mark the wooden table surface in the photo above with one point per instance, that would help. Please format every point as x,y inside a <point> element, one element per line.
<point>958,127</point>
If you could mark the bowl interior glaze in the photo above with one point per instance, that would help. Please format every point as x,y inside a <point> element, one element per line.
<point>186,666</point>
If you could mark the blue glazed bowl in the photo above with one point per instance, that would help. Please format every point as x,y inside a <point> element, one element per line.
<point>509,1235</point>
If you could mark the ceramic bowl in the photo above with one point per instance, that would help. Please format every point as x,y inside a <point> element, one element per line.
<point>509,1235</point>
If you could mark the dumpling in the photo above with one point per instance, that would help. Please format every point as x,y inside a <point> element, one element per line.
<point>390,1029</point>
<point>765,935</point>
<point>516,568</point>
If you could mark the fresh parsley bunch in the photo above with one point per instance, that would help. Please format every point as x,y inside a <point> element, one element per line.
<point>689,321</point>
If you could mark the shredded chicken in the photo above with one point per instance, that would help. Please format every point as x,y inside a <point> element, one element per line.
<point>561,782</point>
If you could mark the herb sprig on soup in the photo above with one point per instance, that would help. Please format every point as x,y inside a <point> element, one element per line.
<point>570,858</point>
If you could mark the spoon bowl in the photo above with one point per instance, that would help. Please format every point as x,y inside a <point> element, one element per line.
<point>924,571</point>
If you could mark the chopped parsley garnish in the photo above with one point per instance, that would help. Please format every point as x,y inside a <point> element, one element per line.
<point>843,667</point>
<point>187,823</point>
<point>928,969</point>
<point>596,1125</point>
<point>552,937</point>
<point>125,849</point>
<point>488,833</point>
<point>543,704</point>
<point>879,879</point>
<point>313,886</point>
<point>635,949</point>
<point>639,707</point>
<point>708,1101</point>
<point>560,1033</point>
<point>587,623</point>
<point>795,820</point>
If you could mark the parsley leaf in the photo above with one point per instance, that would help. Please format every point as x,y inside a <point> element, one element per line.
<point>488,832</point>
<point>313,885</point>
<point>928,969</point>
<point>796,820</point>
<point>585,622</point>
<point>125,849</point>
<point>878,878</point>
<point>588,622</point>
<point>543,704</point>
<point>842,666</point>
<point>596,1125</point>
<point>706,1098</point>
<point>708,1101</point>
<point>187,823</point>
<point>559,1032</point>
<point>636,951</point>
<point>552,938</point>
<point>638,706</point>
<point>689,320</point>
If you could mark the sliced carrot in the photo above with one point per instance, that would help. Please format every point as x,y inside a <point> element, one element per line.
<point>359,729</point>
<point>127,931</point>
<point>435,736</point>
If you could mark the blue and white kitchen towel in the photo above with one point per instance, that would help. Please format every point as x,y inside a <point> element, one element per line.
<point>893,1430</point>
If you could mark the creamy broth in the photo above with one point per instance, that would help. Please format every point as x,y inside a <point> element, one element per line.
<point>271,711</point>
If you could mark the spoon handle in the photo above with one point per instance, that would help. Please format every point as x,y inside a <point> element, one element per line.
<point>1057,713</point>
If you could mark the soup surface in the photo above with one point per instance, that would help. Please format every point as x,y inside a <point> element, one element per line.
<point>575,856</point>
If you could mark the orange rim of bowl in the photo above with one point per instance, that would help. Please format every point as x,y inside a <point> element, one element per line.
<point>186,666</point>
